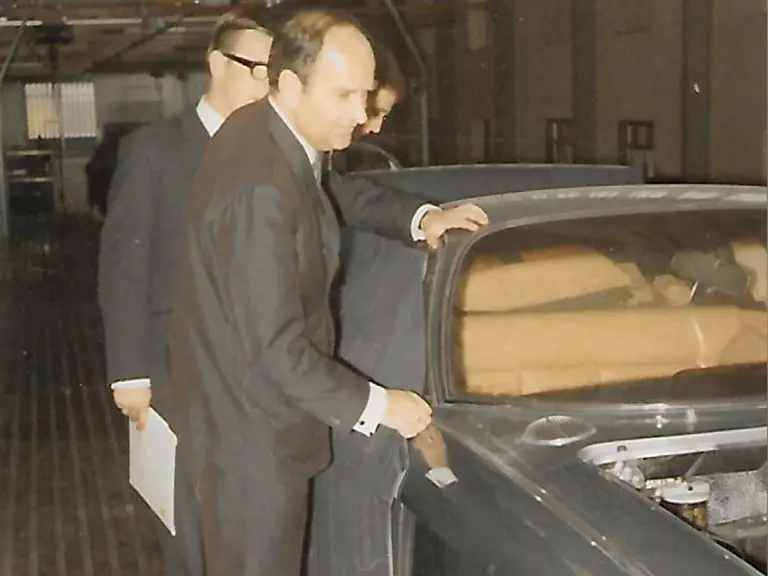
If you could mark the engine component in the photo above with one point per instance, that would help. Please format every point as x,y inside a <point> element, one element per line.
<point>687,500</point>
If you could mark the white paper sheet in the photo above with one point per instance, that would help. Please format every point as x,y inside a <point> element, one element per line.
<point>152,466</point>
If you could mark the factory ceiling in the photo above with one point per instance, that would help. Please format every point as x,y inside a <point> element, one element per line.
<point>70,39</point>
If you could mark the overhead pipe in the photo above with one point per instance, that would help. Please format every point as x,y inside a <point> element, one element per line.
<point>136,43</point>
<point>5,23</point>
<point>160,67</point>
<point>3,179</point>
<point>423,79</point>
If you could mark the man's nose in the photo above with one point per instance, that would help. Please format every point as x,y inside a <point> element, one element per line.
<point>358,111</point>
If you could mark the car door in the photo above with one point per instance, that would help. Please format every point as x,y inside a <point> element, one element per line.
<point>383,334</point>
<point>381,328</point>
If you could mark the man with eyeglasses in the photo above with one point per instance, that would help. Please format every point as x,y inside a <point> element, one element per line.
<point>141,246</point>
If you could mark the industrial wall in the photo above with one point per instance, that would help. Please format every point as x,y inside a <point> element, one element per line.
<point>539,81</point>
<point>118,98</point>
<point>695,69</point>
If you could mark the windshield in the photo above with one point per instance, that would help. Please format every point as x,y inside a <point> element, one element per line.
<point>641,308</point>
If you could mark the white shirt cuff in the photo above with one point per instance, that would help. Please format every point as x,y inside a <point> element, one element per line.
<point>441,477</point>
<point>416,233</point>
<point>374,411</point>
<point>133,383</point>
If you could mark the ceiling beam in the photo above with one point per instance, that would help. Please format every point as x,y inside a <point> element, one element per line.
<point>144,47</point>
<point>123,50</point>
<point>170,67</point>
<point>99,10</point>
<point>91,12</point>
<point>43,74</point>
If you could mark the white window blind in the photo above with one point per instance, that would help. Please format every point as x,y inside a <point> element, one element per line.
<point>78,110</point>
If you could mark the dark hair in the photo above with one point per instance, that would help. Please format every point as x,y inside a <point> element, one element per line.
<point>228,28</point>
<point>298,42</point>
<point>389,75</point>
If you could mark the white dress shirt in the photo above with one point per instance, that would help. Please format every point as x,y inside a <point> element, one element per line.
<point>376,406</point>
<point>441,477</point>
<point>211,119</point>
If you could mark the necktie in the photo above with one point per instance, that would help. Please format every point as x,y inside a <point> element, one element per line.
<point>317,168</point>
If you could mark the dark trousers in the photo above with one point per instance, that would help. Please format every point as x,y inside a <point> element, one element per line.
<point>351,530</point>
<point>253,518</point>
<point>183,553</point>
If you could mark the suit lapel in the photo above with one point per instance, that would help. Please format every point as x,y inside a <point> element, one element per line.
<point>297,158</point>
<point>310,188</point>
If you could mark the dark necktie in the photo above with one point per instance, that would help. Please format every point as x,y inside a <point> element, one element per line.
<point>317,168</point>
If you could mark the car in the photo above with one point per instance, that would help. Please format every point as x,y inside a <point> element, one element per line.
<point>363,155</point>
<point>442,184</point>
<point>596,361</point>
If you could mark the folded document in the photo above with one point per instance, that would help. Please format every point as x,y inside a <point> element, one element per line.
<point>152,466</point>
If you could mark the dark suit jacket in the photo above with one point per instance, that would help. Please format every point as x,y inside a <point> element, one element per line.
<point>141,245</point>
<point>143,236</point>
<point>252,373</point>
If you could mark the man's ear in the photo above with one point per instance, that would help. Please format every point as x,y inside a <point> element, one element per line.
<point>290,87</point>
<point>216,63</point>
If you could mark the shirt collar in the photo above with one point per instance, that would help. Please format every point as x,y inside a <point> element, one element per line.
<point>211,119</point>
<point>312,154</point>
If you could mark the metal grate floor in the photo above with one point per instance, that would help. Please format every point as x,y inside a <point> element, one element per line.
<point>65,504</point>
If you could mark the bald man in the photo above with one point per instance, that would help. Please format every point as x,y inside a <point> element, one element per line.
<point>254,382</point>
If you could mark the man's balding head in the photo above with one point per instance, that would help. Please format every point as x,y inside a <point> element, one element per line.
<point>321,70</point>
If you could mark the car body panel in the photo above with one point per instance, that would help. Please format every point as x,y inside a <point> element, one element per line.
<point>460,182</point>
<point>547,509</point>
<point>517,508</point>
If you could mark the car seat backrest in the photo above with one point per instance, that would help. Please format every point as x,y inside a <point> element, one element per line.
<point>569,317</point>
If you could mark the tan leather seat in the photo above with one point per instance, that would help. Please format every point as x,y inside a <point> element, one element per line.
<point>752,256</point>
<point>569,316</point>
<point>567,274</point>
<point>519,353</point>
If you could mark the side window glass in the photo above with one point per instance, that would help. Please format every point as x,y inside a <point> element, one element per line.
<point>613,309</point>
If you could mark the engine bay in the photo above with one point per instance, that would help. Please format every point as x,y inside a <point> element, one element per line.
<point>716,482</point>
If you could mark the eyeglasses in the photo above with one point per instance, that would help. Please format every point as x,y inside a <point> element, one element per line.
<point>250,64</point>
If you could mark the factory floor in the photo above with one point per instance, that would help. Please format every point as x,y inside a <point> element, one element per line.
<point>65,503</point>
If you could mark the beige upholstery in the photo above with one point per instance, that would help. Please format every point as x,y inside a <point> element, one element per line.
<point>569,316</point>
<point>543,277</point>
<point>753,257</point>
<point>520,353</point>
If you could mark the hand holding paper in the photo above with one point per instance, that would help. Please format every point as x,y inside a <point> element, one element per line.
<point>152,466</point>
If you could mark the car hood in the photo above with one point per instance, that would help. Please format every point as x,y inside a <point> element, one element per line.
<point>637,535</point>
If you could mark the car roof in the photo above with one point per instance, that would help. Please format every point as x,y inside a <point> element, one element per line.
<point>454,182</point>
<point>592,201</point>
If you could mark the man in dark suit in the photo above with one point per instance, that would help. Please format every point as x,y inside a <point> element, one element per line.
<point>141,245</point>
<point>253,381</point>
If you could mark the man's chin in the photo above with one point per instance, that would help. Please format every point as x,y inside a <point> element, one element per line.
<point>359,132</point>
<point>342,143</point>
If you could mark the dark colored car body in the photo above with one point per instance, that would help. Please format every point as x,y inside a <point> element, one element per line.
<point>464,181</point>
<point>520,506</point>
